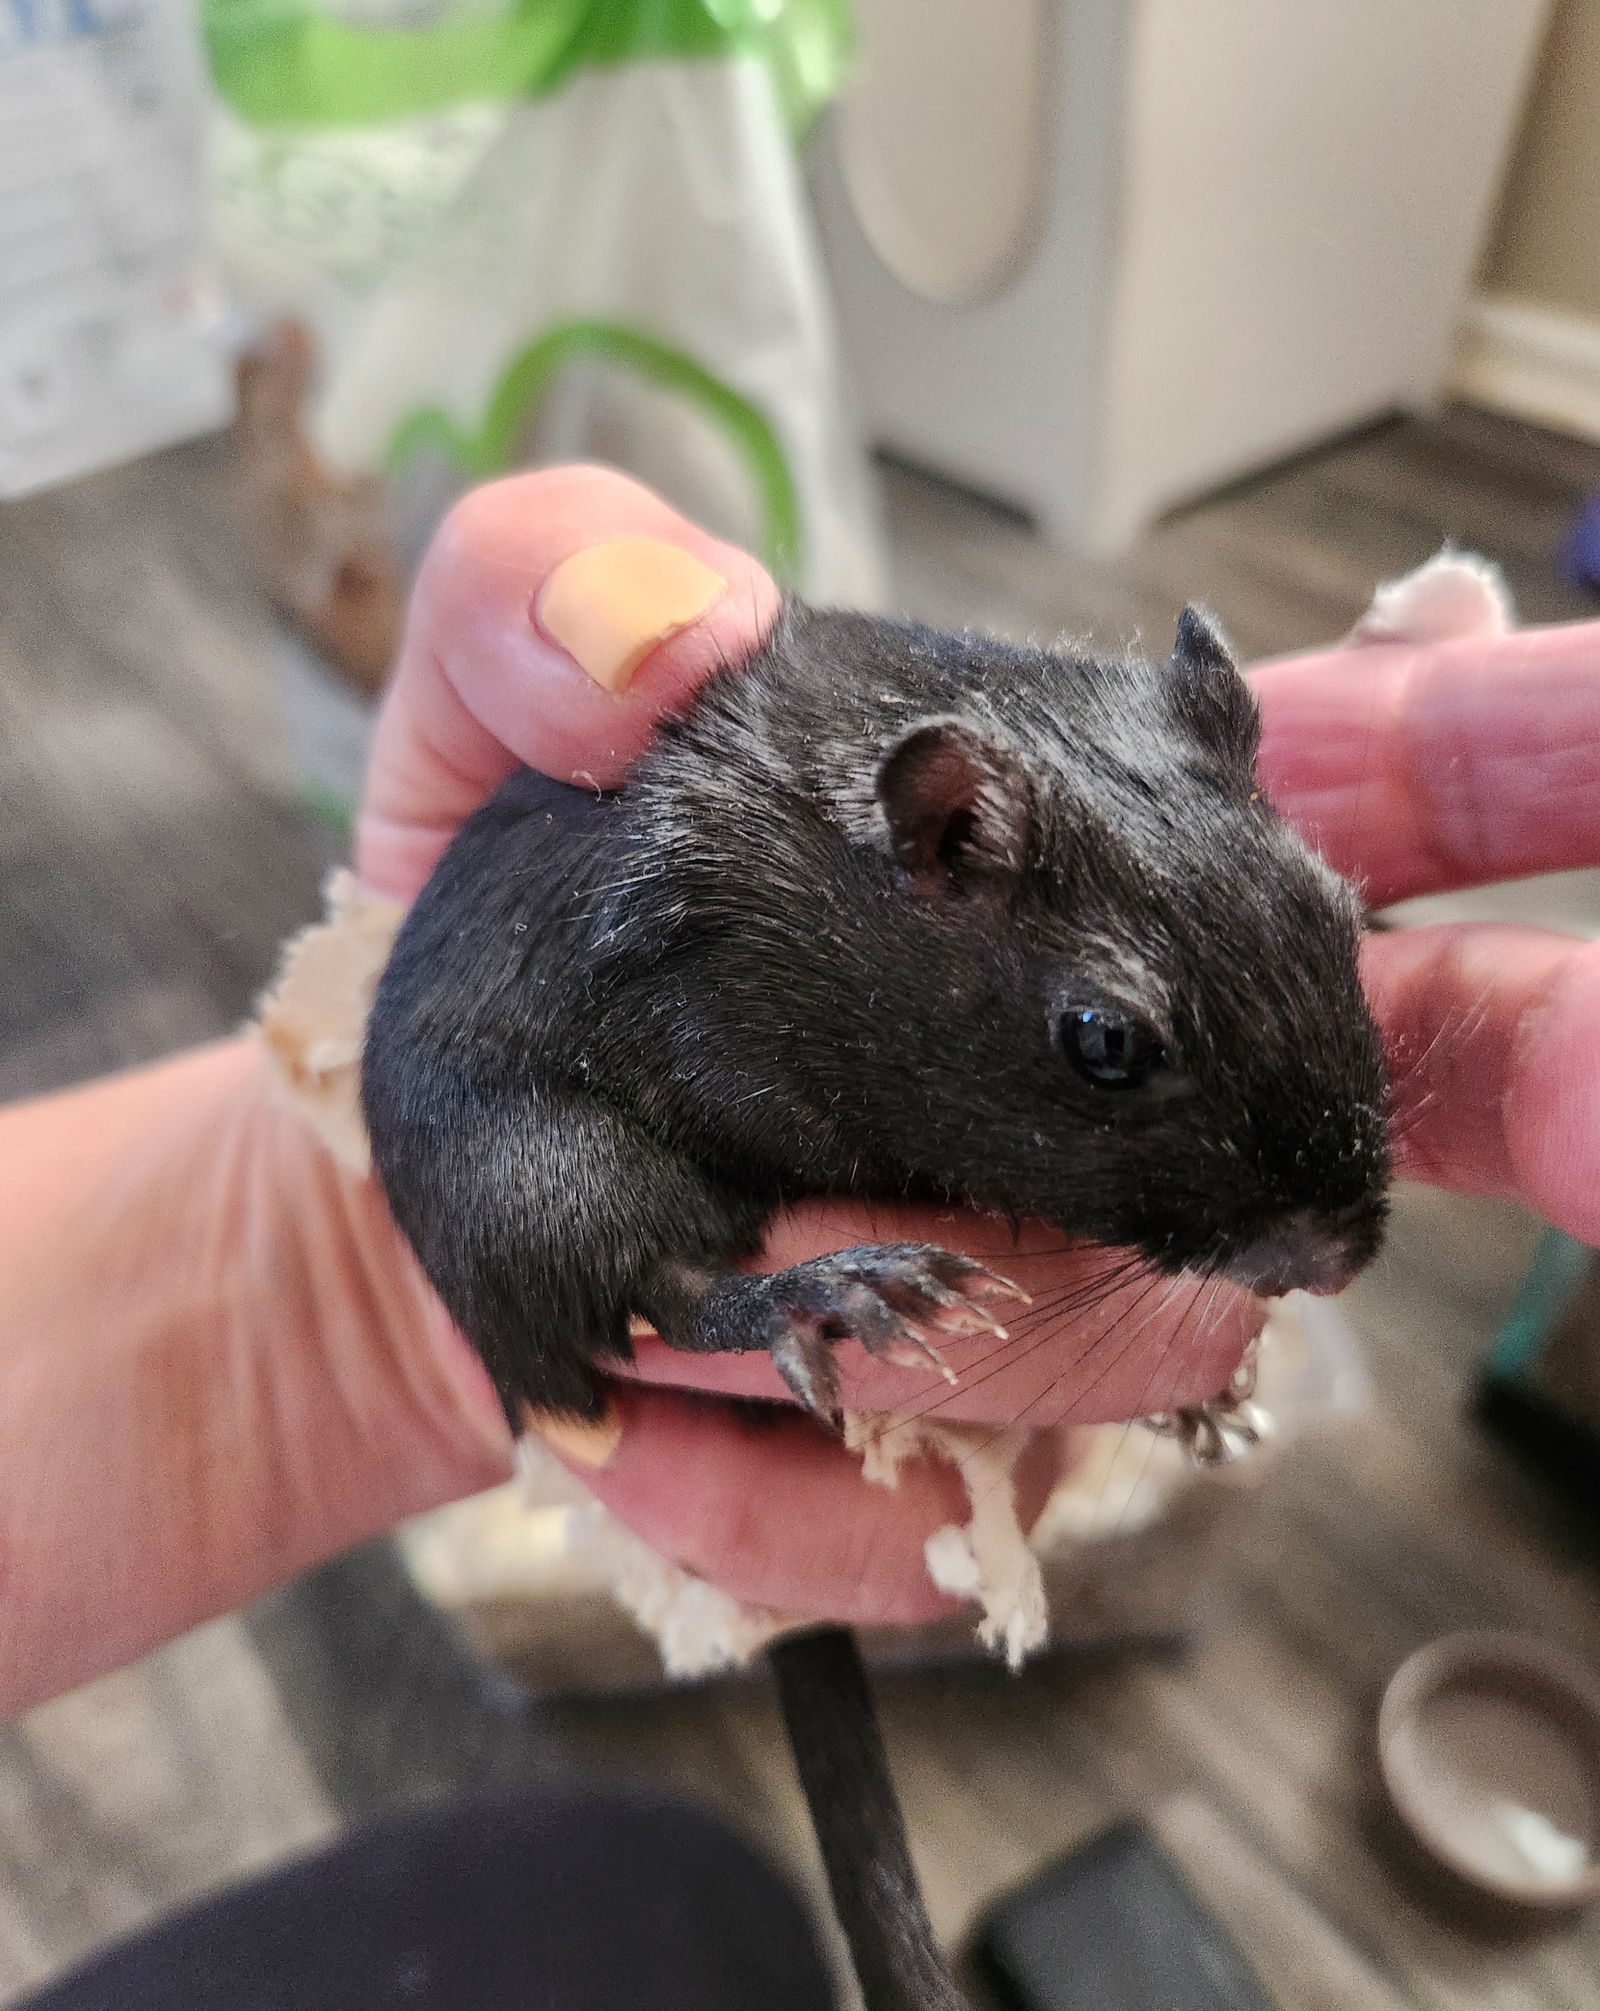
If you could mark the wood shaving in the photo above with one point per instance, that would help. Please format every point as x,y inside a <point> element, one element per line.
<point>1454,594</point>
<point>988,1558</point>
<point>313,1020</point>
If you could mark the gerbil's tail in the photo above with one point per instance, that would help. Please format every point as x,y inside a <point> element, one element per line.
<point>838,1752</point>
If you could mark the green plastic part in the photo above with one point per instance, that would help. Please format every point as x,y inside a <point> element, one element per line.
<point>1556,1272</point>
<point>490,448</point>
<point>290,63</point>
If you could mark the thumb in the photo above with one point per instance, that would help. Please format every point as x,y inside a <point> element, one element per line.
<point>514,655</point>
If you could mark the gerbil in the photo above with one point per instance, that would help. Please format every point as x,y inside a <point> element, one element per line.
<point>886,913</point>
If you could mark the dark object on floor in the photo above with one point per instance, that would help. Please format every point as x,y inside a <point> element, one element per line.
<point>1561,1450</point>
<point>1580,556</point>
<point>1112,1927</point>
<point>838,1751</point>
<point>1539,1392</point>
<point>566,1901</point>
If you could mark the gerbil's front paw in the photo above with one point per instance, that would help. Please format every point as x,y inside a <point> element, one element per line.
<point>891,1297</point>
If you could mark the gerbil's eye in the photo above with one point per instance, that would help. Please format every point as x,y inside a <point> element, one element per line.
<point>1107,1050</point>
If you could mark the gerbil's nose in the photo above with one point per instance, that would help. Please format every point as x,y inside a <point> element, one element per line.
<point>1308,1251</point>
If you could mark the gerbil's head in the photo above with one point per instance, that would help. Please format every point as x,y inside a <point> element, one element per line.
<point>1022,926</point>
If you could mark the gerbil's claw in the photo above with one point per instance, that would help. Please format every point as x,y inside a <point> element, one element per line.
<point>966,1310</point>
<point>805,1361</point>
<point>1227,1426</point>
<point>962,1272</point>
<point>911,1351</point>
<point>892,1298</point>
<point>884,1310</point>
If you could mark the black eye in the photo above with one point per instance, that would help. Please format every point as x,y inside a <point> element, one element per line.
<point>1107,1050</point>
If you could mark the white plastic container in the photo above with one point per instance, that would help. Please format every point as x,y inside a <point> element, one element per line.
<point>110,307</point>
<point>1097,256</point>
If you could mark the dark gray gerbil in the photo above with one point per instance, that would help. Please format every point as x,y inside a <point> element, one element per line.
<point>886,913</point>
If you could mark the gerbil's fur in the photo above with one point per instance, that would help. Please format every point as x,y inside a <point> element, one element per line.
<point>885,913</point>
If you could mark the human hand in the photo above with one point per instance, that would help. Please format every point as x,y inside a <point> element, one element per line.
<point>1427,768</point>
<point>219,1363</point>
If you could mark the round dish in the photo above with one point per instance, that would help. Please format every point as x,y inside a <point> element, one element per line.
<point>1490,1749</point>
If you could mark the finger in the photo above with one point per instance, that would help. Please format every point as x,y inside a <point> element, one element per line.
<point>482,687</point>
<point>1105,1338</point>
<point>765,1504</point>
<point>1415,769</point>
<point>1493,1033</point>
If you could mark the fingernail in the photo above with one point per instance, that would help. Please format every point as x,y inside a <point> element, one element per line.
<point>587,1442</point>
<point>609,606</point>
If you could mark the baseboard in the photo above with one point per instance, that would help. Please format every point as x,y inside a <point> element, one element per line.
<point>1538,362</point>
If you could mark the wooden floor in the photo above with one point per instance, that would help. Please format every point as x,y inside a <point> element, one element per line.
<point>155,848</point>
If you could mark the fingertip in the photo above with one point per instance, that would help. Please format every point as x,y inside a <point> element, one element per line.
<point>610,606</point>
<point>1423,767</point>
<point>1552,1106</point>
<point>648,631</point>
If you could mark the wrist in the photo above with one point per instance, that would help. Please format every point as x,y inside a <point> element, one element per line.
<point>218,1364</point>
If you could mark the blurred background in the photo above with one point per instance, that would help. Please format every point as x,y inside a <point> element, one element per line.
<point>1036,316</point>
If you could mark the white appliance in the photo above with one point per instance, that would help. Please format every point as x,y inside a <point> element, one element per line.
<point>1095,257</point>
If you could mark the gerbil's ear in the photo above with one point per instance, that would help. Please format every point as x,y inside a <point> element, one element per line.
<point>1201,645</point>
<point>956,807</point>
<point>1215,698</point>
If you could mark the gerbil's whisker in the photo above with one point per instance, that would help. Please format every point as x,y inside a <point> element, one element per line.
<point>1025,1341</point>
<point>1032,1329</point>
<point>1183,1326</point>
<point>1189,1326</point>
<point>1411,1097</point>
<point>1092,1290</point>
<point>1174,1286</point>
<point>1055,1380</point>
<point>1155,1313</point>
<point>1130,1423</point>
<point>1458,1025</point>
